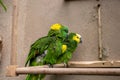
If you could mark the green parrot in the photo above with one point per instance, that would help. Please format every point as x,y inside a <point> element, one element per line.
<point>57,31</point>
<point>55,49</point>
<point>61,53</point>
<point>46,49</point>
<point>72,42</point>
<point>40,60</point>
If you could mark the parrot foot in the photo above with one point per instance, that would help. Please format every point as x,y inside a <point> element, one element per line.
<point>66,65</point>
<point>50,65</point>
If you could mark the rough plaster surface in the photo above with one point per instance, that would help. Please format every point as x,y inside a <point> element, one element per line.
<point>36,16</point>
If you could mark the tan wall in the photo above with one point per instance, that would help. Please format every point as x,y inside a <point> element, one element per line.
<point>36,16</point>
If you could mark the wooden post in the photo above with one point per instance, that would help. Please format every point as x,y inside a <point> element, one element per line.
<point>11,71</point>
<point>14,33</point>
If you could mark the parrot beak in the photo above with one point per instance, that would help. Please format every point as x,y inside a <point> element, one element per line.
<point>81,40</point>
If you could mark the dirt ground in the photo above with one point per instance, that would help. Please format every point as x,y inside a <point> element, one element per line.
<point>35,18</point>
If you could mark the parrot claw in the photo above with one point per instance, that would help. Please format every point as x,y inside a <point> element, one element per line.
<point>50,65</point>
<point>66,65</point>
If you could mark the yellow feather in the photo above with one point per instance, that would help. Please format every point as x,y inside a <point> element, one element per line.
<point>64,48</point>
<point>76,39</point>
<point>56,26</point>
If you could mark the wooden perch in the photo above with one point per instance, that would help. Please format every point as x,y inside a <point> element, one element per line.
<point>82,68</point>
<point>97,64</point>
<point>69,71</point>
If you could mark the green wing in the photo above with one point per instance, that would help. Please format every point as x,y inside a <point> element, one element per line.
<point>64,58</point>
<point>53,52</point>
<point>38,47</point>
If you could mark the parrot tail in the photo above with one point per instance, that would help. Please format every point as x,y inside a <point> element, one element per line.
<point>41,76</point>
<point>32,77</point>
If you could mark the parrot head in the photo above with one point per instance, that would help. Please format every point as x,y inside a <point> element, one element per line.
<point>75,37</point>
<point>58,30</point>
<point>58,27</point>
<point>55,26</point>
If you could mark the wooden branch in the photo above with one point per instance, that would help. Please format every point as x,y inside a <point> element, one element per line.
<point>14,33</point>
<point>100,46</point>
<point>93,64</point>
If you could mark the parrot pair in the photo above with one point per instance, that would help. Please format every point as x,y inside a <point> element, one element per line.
<point>56,35</point>
<point>56,47</point>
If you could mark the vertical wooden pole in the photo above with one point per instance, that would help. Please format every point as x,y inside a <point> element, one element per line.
<point>100,47</point>
<point>13,60</point>
<point>11,70</point>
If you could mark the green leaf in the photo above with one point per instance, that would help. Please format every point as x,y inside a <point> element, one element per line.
<point>3,5</point>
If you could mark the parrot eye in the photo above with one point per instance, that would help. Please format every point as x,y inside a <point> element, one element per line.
<point>77,37</point>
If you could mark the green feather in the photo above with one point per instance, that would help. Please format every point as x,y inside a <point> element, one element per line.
<point>71,47</point>
<point>54,51</point>
<point>38,47</point>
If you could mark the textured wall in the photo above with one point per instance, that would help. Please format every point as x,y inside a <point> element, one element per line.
<point>36,16</point>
